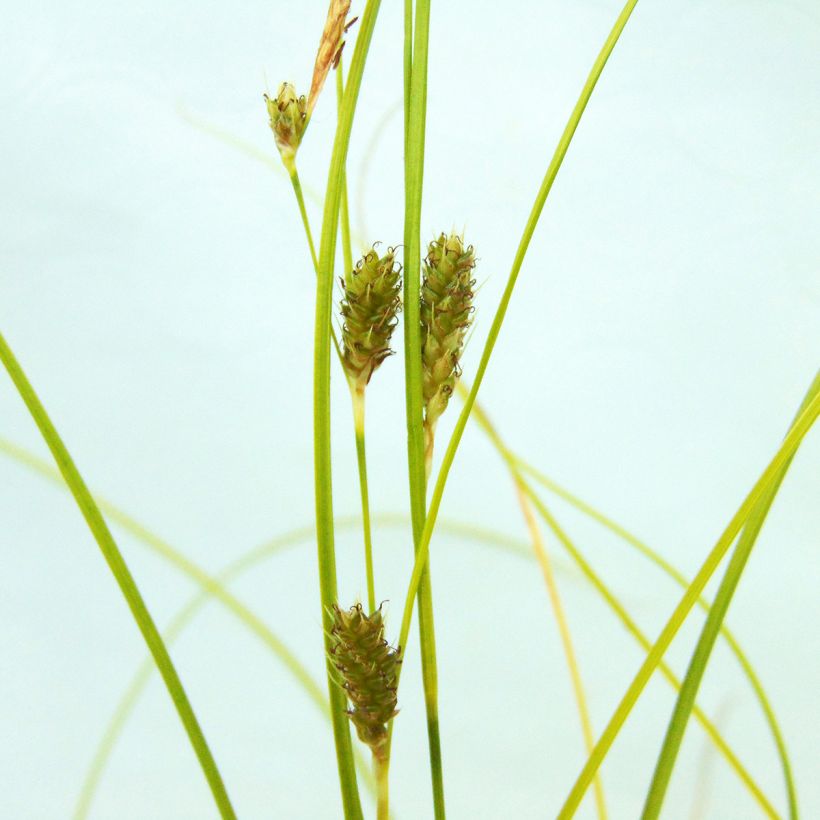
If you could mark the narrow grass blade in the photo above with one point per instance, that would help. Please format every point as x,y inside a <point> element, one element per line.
<point>210,587</point>
<point>630,698</point>
<point>682,581</point>
<point>711,629</point>
<point>119,569</point>
<point>344,217</point>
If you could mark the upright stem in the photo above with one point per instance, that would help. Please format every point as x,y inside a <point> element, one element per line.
<point>300,199</point>
<point>415,119</point>
<point>321,405</point>
<point>347,251</point>
<point>407,56</point>
<point>357,396</point>
<point>356,391</point>
<point>119,569</point>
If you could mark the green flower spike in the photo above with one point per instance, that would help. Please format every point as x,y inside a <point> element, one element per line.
<point>288,119</point>
<point>369,307</point>
<point>446,314</point>
<point>369,670</point>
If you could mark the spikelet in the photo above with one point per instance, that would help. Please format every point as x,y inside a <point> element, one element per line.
<point>446,313</point>
<point>369,307</point>
<point>369,671</point>
<point>288,118</point>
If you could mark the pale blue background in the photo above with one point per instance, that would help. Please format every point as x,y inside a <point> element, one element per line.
<point>155,284</point>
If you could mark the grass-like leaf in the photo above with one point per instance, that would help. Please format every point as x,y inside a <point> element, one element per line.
<point>125,581</point>
<point>211,586</point>
<point>710,632</point>
<point>690,597</point>
<point>682,581</point>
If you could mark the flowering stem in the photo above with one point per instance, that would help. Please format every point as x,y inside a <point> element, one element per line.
<point>357,396</point>
<point>321,404</point>
<point>415,119</point>
<point>347,252</point>
<point>300,199</point>
<point>356,392</point>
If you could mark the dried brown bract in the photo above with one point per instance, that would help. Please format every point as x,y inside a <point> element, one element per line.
<point>330,48</point>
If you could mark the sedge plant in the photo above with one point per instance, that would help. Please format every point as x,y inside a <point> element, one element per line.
<point>435,295</point>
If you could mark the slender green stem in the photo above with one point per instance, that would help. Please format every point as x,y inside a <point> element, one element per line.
<point>116,563</point>
<point>321,404</point>
<point>682,581</point>
<point>357,396</point>
<point>787,449</point>
<point>617,606</point>
<point>415,121</point>
<point>711,629</point>
<point>297,189</point>
<point>300,199</point>
<point>414,176</point>
<point>347,251</point>
<point>529,230</point>
<point>407,56</point>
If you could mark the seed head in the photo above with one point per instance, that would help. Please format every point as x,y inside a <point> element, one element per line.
<point>369,671</point>
<point>369,307</point>
<point>288,117</point>
<point>446,313</point>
